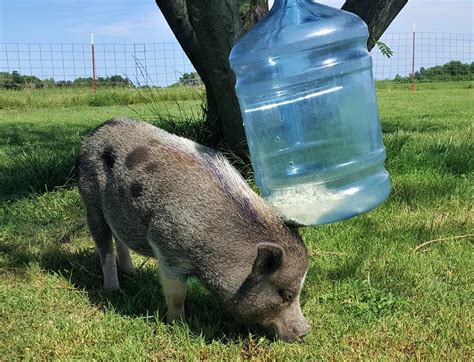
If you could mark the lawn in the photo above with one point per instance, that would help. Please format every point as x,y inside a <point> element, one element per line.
<point>369,294</point>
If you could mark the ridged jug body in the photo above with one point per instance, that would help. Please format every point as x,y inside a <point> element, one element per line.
<point>307,97</point>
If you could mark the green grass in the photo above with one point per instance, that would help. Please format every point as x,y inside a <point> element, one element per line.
<point>368,295</point>
<point>69,97</point>
<point>38,145</point>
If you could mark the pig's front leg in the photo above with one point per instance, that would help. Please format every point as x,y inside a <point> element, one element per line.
<point>175,293</point>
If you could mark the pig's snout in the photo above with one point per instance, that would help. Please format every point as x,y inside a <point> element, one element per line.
<point>291,325</point>
<point>294,332</point>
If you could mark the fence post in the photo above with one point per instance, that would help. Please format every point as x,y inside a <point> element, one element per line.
<point>413,61</point>
<point>94,85</point>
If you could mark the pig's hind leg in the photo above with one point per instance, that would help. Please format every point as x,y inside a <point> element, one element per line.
<point>123,256</point>
<point>102,235</point>
<point>174,290</point>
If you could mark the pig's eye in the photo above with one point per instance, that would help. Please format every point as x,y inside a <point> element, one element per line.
<point>286,295</point>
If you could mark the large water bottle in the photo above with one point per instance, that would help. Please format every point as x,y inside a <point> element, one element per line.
<point>307,96</point>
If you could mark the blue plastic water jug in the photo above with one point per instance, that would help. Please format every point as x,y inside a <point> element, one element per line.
<point>307,97</point>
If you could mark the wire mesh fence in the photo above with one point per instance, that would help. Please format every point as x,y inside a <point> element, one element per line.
<point>165,64</point>
<point>432,51</point>
<point>158,64</point>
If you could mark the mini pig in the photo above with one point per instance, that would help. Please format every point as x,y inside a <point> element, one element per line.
<point>167,197</point>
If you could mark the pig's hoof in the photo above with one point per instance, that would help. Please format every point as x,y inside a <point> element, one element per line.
<point>130,271</point>
<point>175,317</point>
<point>111,287</point>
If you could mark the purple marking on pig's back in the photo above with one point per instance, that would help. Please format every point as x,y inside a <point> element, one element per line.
<point>243,201</point>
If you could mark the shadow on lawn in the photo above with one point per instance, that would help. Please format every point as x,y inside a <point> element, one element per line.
<point>37,159</point>
<point>140,295</point>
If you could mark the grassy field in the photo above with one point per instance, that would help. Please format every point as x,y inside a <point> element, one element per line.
<point>368,294</point>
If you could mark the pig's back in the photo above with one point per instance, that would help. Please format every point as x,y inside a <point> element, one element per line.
<point>154,186</point>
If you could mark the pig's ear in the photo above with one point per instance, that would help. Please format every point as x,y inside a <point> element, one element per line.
<point>269,258</point>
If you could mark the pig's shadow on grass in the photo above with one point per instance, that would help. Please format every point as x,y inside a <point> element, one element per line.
<point>140,295</point>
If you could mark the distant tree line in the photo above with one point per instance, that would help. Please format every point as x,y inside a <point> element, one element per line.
<point>188,79</point>
<point>452,71</point>
<point>15,80</point>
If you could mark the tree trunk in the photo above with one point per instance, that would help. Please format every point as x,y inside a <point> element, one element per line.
<point>207,30</point>
<point>217,26</point>
<point>176,15</point>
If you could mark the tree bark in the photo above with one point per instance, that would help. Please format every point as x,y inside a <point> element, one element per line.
<point>377,14</point>
<point>206,31</point>
<point>176,15</point>
<point>251,11</point>
<point>217,26</point>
